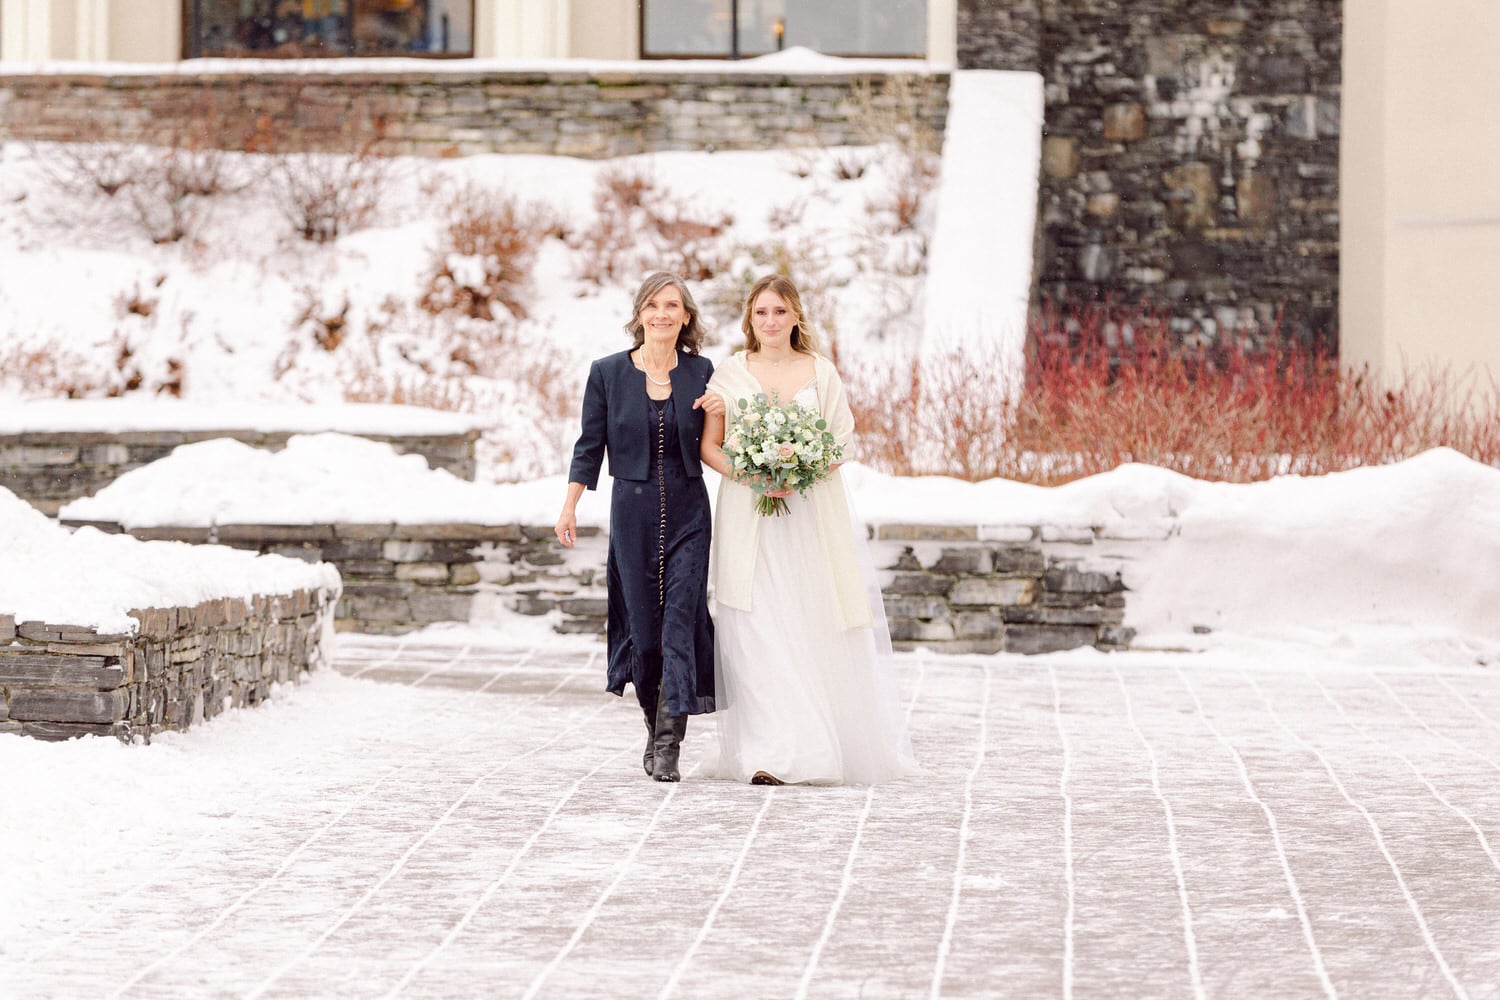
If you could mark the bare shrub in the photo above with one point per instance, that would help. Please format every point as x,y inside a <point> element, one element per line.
<point>639,227</point>
<point>50,370</point>
<point>328,328</point>
<point>911,179</point>
<point>81,169</point>
<point>161,184</point>
<point>850,165</point>
<point>537,385</point>
<point>1106,387</point>
<point>325,195</point>
<point>946,415</point>
<point>137,302</point>
<point>486,255</point>
<point>160,192</point>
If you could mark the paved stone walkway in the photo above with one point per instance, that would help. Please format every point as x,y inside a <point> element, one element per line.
<point>1096,826</point>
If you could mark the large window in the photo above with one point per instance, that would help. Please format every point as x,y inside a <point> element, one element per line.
<point>303,28</point>
<point>734,29</point>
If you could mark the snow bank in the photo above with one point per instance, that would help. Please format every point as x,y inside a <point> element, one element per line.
<point>1412,544</point>
<point>979,270</point>
<point>50,574</point>
<point>317,478</point>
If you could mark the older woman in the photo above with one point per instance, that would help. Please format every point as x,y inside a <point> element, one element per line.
<point>644,408</point>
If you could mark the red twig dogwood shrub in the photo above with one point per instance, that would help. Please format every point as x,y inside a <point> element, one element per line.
<point>1104,387</point>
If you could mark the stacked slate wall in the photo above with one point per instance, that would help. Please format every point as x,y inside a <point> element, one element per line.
<point>1190,155</point>
<point>447,112</point>
<point>952,588</point>
<point>181,666</point>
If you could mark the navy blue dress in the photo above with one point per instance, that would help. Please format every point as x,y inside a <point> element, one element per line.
<point>659,630</point>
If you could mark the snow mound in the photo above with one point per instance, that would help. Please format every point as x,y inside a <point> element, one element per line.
<point>1414,544</point>
<point>87,577</point>
<point>316,479</point>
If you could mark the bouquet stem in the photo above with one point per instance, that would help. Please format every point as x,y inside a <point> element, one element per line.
<point>771,506</point>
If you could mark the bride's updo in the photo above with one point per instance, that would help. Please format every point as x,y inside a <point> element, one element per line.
<point>803,339</point>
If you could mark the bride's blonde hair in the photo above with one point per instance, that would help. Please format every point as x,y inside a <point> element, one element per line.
<point>803,339</point>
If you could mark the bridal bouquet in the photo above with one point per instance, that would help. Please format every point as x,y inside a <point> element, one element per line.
<point>779,446</point>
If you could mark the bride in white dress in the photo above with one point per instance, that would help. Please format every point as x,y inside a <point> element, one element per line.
<point>806,691</point>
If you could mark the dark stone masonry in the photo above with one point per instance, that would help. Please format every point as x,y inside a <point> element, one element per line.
<point>984,589</point>
<point>950,588</point>
<point>460,113</point>
<point>48,469</point>
<point>1190,155</point>
<point>182,666</point>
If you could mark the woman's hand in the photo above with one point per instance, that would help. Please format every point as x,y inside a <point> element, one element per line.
<point>567,528</point>
<point>567,522</point>
<point>711,403</point>
<point>782,493</point>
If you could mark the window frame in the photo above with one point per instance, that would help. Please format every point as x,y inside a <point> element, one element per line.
<point>190,10</point>
<point>734,54</point>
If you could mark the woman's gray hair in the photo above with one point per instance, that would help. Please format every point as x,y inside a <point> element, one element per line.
<point>690,337</point>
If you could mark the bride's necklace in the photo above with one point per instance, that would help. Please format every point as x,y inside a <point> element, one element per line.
<point>767,361</point>
<point>652,378</point>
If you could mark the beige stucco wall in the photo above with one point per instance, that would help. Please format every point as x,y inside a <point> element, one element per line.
<point>1420,209</point>
<point>90,30</point>
<point>145,30</point>
<point>605,29</point>
<point>521,29</point>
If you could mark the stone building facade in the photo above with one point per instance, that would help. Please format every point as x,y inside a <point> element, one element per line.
<point>1190,156</point>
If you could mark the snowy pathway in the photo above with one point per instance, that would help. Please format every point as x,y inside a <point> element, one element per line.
<point>473,821</point>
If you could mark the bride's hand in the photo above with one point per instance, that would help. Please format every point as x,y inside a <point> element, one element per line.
<point>710,403</point>
<point>782,493</point>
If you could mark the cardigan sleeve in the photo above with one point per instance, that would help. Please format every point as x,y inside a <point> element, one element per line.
<point>588,453</point>
<point>836,409</point>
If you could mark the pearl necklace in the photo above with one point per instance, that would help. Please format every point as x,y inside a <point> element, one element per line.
<point>652,378</point>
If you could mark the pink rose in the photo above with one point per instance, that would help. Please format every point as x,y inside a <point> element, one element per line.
<point>786,450</point>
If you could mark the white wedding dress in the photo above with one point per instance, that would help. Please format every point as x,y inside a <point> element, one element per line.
<point>799,697</point>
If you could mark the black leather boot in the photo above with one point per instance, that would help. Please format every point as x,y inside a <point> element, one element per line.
<point>670,730</point>
<point>648,759</point>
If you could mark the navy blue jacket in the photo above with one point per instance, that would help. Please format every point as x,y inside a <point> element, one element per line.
<point>616,414</point>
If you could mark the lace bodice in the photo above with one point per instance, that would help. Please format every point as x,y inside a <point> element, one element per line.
<point>808,395</point>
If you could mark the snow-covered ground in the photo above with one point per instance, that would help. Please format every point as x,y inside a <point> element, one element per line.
<point>455,814</point>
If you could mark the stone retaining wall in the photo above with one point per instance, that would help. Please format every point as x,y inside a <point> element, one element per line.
<point>183,665</point>
<point>459,113</point>
<point>50,468</point>
<point>1190,154</point>
<point>959,589</point>
<point>400,577</point>
<point>989,589</point>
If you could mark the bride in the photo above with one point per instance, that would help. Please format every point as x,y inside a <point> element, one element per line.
<point>802,657</point>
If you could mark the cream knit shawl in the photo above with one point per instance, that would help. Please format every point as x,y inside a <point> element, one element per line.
<point>737,525</point>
